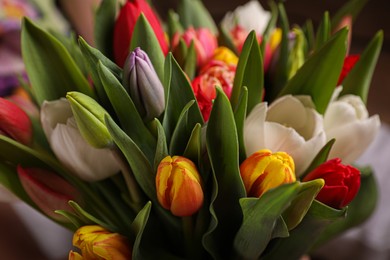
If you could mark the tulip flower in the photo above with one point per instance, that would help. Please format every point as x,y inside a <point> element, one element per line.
<point>67,143</point>
<point>145,88</point>
<point>342,183</point>
<point>14,122</point>
<point>205,43</point>
<point>47,190</point>
<point>244,17</point>
<point>346,119</point>
<point>96,242</point>
<point>124,27</point>
<point>349,63</point>
<point>178,186</point>
<point>225,55</point>
<point>215,73</point>
<point>287,125</point>
<point>265,170</point>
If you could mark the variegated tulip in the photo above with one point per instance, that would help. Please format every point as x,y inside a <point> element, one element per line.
<point>14,122</point>
<point>265,170</point>
<point>145,88</point>
<point>346,119</point>
<point>124,27</point>
<point>47,190</point>
<point>290,124</point>
<point>178,186</point>
<point>96,242</point>
<point>85,161</point>
<point>204,42</point>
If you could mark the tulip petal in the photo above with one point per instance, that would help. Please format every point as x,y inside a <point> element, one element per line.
<point>352,139</point>
<point>53,113</point>
<point>254,135</point>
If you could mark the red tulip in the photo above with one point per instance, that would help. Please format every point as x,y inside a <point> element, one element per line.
<point>124,27</point>
<point>215,73</point>
<point>14,122</point>
<point>342,183</point>
<point>47,190</point>
<point>349,63</point>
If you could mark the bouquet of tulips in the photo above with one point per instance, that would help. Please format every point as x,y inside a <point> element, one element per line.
<point>195,141</point>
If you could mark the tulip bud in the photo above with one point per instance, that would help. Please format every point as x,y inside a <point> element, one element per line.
<point>89,116</point>
<point>215,73</point>
<point>143,85</point>
<point>47,190</point>
<point>96,242</point>
<point>204,42</point>
<point>14,122</point>
<point>342,183</point>
<point>265,170</point>
<point>225,55</point>
<point>349,63</point>
<point>124,27</point>
<point>179,186</point>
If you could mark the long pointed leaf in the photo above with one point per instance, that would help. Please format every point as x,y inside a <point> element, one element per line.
<point>104,25</point>
<point>193,13</point>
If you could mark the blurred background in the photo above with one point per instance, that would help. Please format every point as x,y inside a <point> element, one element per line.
<point>16,243</point>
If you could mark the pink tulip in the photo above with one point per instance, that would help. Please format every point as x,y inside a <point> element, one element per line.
<point>14,122</point>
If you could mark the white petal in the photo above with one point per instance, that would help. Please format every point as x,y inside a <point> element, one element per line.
<point>288,111</point>
<point>85,161</point>
<point>254,129</point>
<point>338,113</point>
<point>353,139</point>
<point>357,103</point>
<point>53,113</point>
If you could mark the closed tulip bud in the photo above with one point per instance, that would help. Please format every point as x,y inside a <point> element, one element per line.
<point>96,242</point>
<point>47,190</point>
<point>89,117</point>
<point>204,42</point>
<point>265,170</point>
<point>179,186</point>
<point>342,183</point>
<point>143,85</point>
<point>124,27</point>
<point>14,122</point>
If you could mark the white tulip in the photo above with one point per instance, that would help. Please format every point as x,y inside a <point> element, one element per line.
<point>250,16</point>
<point>290,124</point>
<point>346,119</point>
<point>67,143</point>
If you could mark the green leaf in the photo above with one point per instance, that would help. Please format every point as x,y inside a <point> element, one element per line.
<point>178,92</point>
<point>104,26</point>
<point>194,146</point>
<point>319,74</point>
<point>249,73</point>
<point>359,210</point>
<point>323,33</point>
<point>10,180</point>
<point>92,57</point>
<point>162,147</point>
<point>74,219</point>
<point>270,26</point>
<point>308,30</point>
<point>281,68</point>
<point>260,218</point>
<point>303,237</point>
<point>352,8</point>
<point>358,80</point>
<point>138,227</point>
<point>239,117</point>
<point>51,69</point>
<point>127,112</point>
<point>222,146</point>
<point>182,131</point>
<point>320,158</point>
<point>143,36</point>
<point>224,39</point>
<point>173,24</point>
<point>190,61</point>
<point>193,13</point>
<point>308,191</point>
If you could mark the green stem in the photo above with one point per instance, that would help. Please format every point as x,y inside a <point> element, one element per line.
<point>188,230</point>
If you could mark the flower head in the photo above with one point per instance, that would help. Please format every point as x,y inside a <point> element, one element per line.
<point>290,124</point>
<point>342,183</point>
<point>265,170</point>
<point>124,27</point>
<point>14,122</point>
<point>179,186</point>
<point>96,242</point>
<point>215,73</point>
<point>145,88</point>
